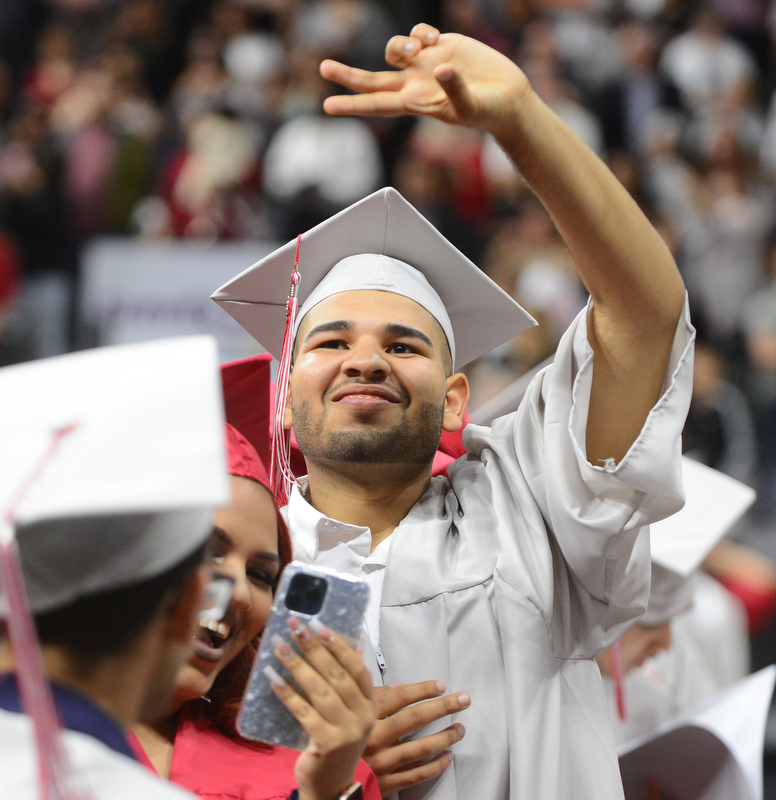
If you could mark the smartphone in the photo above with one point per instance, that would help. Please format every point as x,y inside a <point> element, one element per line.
<point>305,592</point>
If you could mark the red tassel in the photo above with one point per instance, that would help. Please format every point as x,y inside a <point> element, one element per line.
<point>58,780</point>
<point>281,477</point>
<point>618,673</point>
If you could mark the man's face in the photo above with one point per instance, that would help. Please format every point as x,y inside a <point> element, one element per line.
<point>369,383</point>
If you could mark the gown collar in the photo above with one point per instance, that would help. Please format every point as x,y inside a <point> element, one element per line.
<point>77,712</point>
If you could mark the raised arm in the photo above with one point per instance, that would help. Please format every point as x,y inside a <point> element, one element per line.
<point>636,289</point>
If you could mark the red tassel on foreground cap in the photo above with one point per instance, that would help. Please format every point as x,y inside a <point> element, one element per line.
<point>58,780</point>
<point>280,468</point>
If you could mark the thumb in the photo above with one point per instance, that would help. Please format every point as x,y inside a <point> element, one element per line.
<point>456,90</point>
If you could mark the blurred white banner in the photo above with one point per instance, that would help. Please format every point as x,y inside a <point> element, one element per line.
<point>134,290</point>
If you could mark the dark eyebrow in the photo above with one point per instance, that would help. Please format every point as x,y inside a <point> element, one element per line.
<point>265,556</point>
<point>394,329</point>
<point>330,327</point>
<point>220,533</point>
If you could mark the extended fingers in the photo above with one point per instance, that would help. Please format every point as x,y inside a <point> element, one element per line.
<point>384,104</point>
<point>405,722</point>
<point>412,752</point>
<point>391,699</point>
<point>349,658</point>
<point>360,80</point>
<point>329,721</point>
<point>409,763</point>
<point>403,779</point>
<point>336,669</point>
<point>400,764</point>
<point>294,702</point>
<point>425,33</point>
<point>400,50</point>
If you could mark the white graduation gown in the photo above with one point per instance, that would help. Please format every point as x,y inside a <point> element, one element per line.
<point>505,580</point>
<point>107,775</point>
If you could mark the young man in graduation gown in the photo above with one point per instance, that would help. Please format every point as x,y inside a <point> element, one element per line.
<point>112,514</point>
<point>507,579</point>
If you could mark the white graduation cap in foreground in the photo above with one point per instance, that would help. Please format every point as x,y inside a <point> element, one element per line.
<point>111,466</point>
<point>713,753</point>
<point>130,491</point>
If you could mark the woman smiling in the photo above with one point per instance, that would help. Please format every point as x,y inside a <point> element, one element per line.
<point>196,744</point>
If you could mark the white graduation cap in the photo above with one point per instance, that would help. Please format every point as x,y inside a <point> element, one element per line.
<point>481,315</point>
<point>714,503</point>
<point>130,489</point>
<point>111,466</point>
<point>712,753</point>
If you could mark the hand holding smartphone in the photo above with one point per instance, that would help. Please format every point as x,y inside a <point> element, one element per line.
<point>306,597</point>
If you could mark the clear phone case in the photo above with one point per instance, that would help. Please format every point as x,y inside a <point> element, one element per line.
<point>262,716</point>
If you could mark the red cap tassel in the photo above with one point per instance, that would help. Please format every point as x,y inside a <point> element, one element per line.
<point>281,477</point>
<point>618,673</point>
<point>58,780</point>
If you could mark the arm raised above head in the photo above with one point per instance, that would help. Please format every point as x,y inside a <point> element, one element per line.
<point>636,289</point>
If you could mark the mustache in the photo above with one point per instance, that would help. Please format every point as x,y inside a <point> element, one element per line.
<point>401,393</point>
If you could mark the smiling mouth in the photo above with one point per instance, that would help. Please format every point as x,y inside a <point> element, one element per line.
<point>210,640</point>
<point>367,391</point>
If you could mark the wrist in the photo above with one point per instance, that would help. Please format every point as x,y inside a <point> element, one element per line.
<point>352,792</point>
<point>515,113</point>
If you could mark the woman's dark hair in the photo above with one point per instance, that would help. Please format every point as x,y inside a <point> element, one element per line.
<point>227,690</point>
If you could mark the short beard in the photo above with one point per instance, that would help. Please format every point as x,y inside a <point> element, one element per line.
<point>415,441</point>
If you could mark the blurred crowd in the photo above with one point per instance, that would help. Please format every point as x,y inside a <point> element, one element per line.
<point>202,119</point>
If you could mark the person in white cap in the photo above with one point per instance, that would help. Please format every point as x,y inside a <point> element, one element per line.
<point>111,468</point>
<point>506,579</point>
<point>667,662</point>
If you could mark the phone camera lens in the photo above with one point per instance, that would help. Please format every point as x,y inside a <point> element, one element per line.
<point>306,594</point>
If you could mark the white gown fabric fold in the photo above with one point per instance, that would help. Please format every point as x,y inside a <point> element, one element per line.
<point>505,580</point>
<point>107,775</point>
<point>709,652</point>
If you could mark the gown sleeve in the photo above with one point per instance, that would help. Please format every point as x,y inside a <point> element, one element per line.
<point>592,578</point>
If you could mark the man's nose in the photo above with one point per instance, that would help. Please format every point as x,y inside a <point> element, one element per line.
<point>366,359</point>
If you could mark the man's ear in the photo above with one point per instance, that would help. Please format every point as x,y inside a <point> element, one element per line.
<point>183,614</point>
<point>456,400</point>
<point>287,420</point>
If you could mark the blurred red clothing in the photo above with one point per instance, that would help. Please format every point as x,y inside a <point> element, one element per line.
<point>10,269</point>
<point>214,766</point>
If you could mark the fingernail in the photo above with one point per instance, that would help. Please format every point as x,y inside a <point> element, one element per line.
<point>320,630</point>
<point>410,47</point>
<point>299,629</point>
<point>464,700</point>
<point>449,758</point>
<point>283,648</point>
<point>440,687</point>
<point>274,677</point>
<point>461,730</point>
<point>430,36</point>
